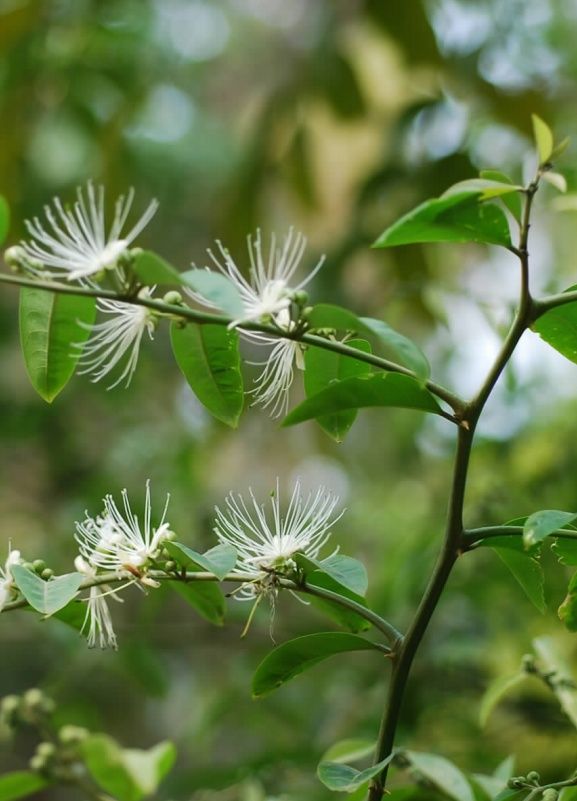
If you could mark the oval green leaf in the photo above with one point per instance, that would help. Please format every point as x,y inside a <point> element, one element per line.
<point>21,784</point>
<point>382,389</point>
<point>543,138</point>
<point>51,326</point>
<point>558,328</point>
<point>443,774</point>
<point>217,289</point>
<point>219,561</point>
<point>458,217</point>
<point>47,597</point>
<point>345,779</point>
<point>209,359</point>
<point>541,524</point>
<point>300,654</point>
<point>152,269</point>
<point>523,566</point>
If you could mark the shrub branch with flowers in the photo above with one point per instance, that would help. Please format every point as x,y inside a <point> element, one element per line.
<point>72,269</point>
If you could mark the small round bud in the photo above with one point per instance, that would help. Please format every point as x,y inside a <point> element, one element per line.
<point>550,794</point>
<point>47,573</point>
<point>516,783</point>
<point>306,312</point>
<point>39,565</point>
<point>33,699</point>
<point>70,735</point>
<point>37,763</point>
<point>170,535</point>
<point>300,297</point>
<point>173,298</point>
<point>15,256</point>
<point>170,565</point>
<point>46,750</point>
<point>533,776</point>
<point>9,707</point>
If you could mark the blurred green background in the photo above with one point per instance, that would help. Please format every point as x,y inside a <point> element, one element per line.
<point>334,117</point>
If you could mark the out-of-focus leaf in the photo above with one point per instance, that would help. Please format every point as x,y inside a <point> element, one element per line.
<point>4,219</point>
<point>345,779</point>
<point>295,656</point>
<point>152,269</point>
<point>457,217</point>
<point>556,179</point>
<point>21,784</point>
<point>382,389</point>
<point>209,359</point>
<point>541,524</point>
<point>51,327</point>
<point>543,138</point>
<point>46,597</point>
<point>495,691</point>
<point>553,659</point>
<point>443,774</point>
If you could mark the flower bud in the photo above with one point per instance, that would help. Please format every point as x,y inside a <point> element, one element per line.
<point>301,298</point>
<point>173,298</point>
<point>28,566</point>
<point>528,663</point>
<point>47,573</point>
<point>533,776</point>
<point>39,565</point>
<point>37,763</point>
<point>15,256</point>
<point>170,565</point>
<point>550,794</point>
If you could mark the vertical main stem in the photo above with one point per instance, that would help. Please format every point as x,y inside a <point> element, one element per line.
<point>406,654</point>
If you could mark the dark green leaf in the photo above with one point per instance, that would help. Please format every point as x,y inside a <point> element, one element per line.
<point>457,217</point>
<point>382,389</point>
<point>558,327</point>
<point>325,315</point>
<point>295,656</point>
<point>4,219</point>
<point>523,566</point>
<point>443,774</point>
<point>322,367</point>
<point>209,359</point>
<point>345,779</point>
<point>46,597</point>
<point>51,325</point>
<point>152,269</point>
<point>539,525</point>
<point>219,561</point>
<point>20,784</point>
<point>566,551</point>
<point>217,289</point>
<point>345,617</point>
<point>204,596</point>
<point>348,572</point>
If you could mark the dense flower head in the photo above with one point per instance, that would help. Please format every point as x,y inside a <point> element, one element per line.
<point>268,543</point>
<point>73,240</point>
<point>115,539</point>
<point>119,334</point>
<point>6,578</point>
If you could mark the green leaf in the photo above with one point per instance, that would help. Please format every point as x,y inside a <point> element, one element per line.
<point>204,596</point>
<point>295,656</point>
<point>4,219</point>
<point>345,779</point>
<point>486,188</point>
<point>325,315</point>
<point>451,218</point>
<point>219,561</point>
<point>322,367</point>
<point>495,691</point>
<point>128,774</point>
<point>558,327</point>
<point>567,611</point>
<point>51,325</point>
<point>348,572</point>
<point>540,524</point>
<point>543,139</point>
<point>209,360</point>
<point>443,774</point>
<point>556,179</point>
<point>566,551</point>
<point>349,750</point>
<point>21,784</point>
<point>382,389</point>
<point>217,289</point>
<point>512,201</point>
<point>152,269</point>
<point>553,659</point>
<point>523,566</point>
<point>49,596</point>
<point>343,616</point>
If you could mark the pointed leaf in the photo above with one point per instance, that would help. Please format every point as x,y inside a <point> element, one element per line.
<point>343,616</point>
<point>345,779</point>
<point>512,201</point>
<point>543,139</point>
<point>322,367</point>
<point>209,359</point>
<point>539,525</point>
<point>556,179</point>
<point>451,218</point>
<point>204,596</point>
<point>523,566</point>
<point>350,573</point>
<point>217,289</point>
<point>219,561</point>
<point>486,188</point>
<point>4,219</point>
<point>558,327</point>
<point>51,325</point>
<point>49,596</point>
<point>152,269</point>
<point>148,768</point>
<point>21,784</point>
<point>443,774</point>
<point>302,653</point>
<point>349,751</point>
<point>495,691</point>
<point>382,389</point>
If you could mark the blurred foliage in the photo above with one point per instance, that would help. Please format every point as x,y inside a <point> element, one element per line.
<point>335,116</point>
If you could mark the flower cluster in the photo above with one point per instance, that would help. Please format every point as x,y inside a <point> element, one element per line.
<point>7,587</point>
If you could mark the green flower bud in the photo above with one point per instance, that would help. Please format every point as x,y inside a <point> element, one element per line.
<point>301,298</point>
<point>170,565</point>
<point>170,536</point>
<point>533,776</point>
<point>15,256</point>
<point>47,573</point>
<point>173,298</point>
<point>39,565</point>
<point>550,794</point>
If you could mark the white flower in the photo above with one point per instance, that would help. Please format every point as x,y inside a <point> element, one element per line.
<point>6,578</point>
<point>112,339</point>
<point>75,241</point>
<point>116,541</point>
<point>272,385</point>
<point>97,618</point>
<point>268,545</point>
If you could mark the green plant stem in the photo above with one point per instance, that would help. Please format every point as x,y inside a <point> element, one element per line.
<point>537,792</point>
<point>474,536</point>
<point>454,532</point>
<point>206,318</point>
<point>393,636</point>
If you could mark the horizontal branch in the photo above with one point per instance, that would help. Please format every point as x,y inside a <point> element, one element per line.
<point>206,318</point>
<point>386,628</point>
<point>541,307</point>
<point>473,536</point>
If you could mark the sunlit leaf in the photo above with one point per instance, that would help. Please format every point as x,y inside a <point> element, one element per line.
<point>349,751</point>
<point>21,784</point>
<point>543,138</point>
<point>51,327</point>
<point>541,524</point>
<point>49,596</point>
<point>443,774</point>
<point>217,289</point>
<point>511,200</point>
<point>556,179</point>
